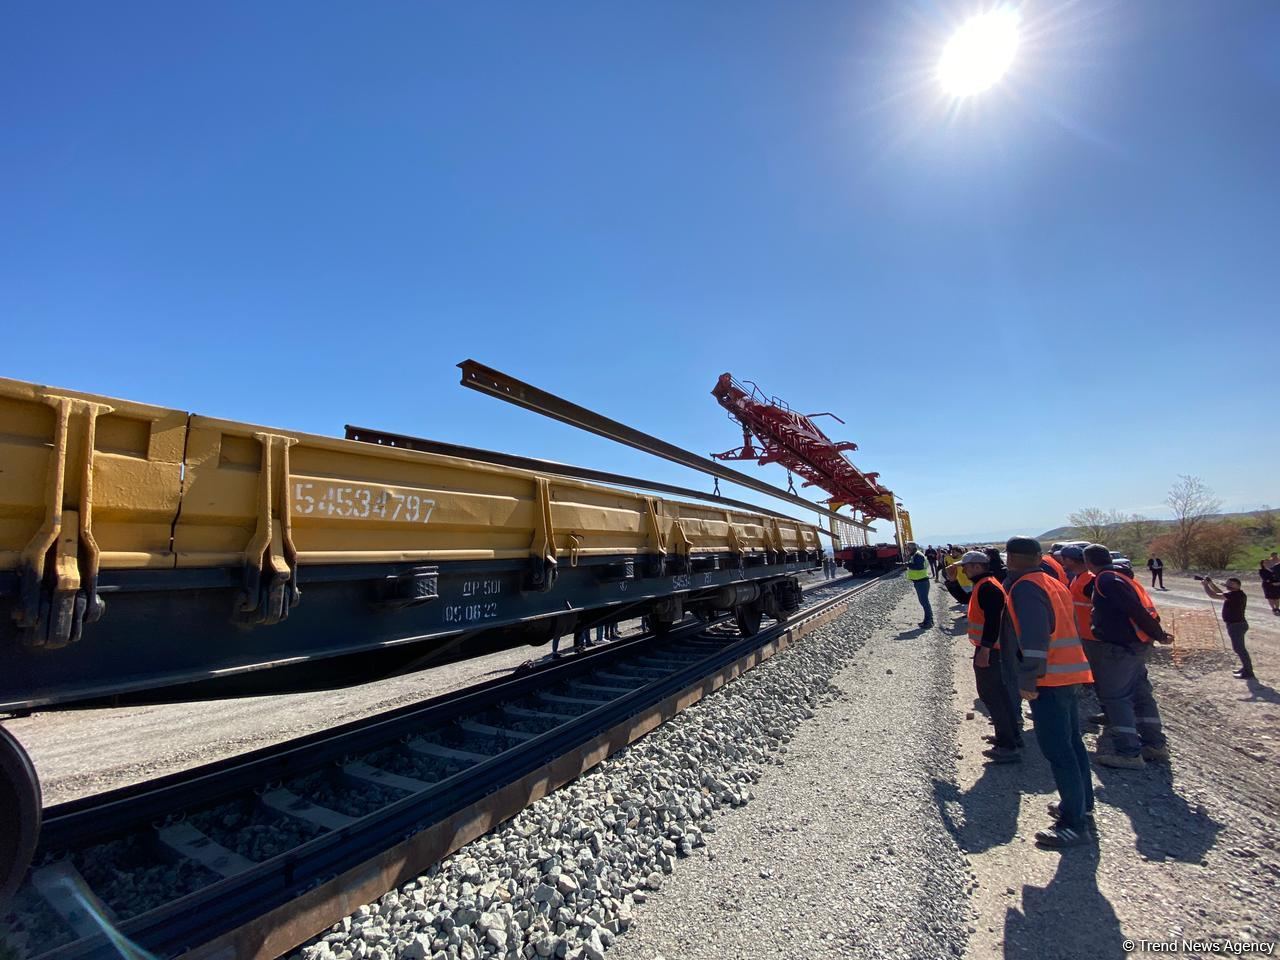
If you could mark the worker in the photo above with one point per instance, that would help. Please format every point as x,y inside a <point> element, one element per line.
<point>1080,586</point>
<point>1040,623</point>
<point>932,556</point>
<point>1050,565</point>
<point>918,574</point>
<point>996,563</point>
<point>581,640</point>
<point>1233,603</point>
<point>1126,568</point>
<point>1124,630</point>
<point>953,568</point>
<point>985,610</point>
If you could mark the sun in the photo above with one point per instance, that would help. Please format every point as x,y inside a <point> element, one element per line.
<point>979,53</point>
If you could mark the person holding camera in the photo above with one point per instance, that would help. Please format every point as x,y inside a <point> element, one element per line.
<point>1233,603</point>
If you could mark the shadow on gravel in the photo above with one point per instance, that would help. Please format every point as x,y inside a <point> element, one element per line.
<point>1260,692</point>
<point>988,811</point>
<point>1069,918</point>
<point>913,633</point>
<point>1165,826</point>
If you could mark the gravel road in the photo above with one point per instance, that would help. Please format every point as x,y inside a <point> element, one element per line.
<point>842,853</point>
<point>1188,849</point>
<point>565,877</point>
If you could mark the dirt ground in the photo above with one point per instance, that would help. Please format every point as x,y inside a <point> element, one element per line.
<point>1189,849</point>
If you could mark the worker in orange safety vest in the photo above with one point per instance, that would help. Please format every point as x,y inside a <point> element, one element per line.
<point>1124,628</point>
<point>1040,620</point>
<point>1081,589</point>
<point>1050,565</point>
<point>994,671</point>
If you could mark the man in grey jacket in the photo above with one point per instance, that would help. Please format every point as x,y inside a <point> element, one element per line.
<point>1053,704</point>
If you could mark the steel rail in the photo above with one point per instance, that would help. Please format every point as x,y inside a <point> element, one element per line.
<point>270,908</point>
<point>517,462</point>
<point>477,376</point>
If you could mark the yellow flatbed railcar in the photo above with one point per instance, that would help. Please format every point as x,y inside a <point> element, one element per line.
<point>143,547</point>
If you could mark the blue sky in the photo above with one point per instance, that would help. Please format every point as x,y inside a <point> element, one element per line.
<point>1059,293</point>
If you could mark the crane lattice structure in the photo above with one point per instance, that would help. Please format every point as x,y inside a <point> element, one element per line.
<point>774,433</point>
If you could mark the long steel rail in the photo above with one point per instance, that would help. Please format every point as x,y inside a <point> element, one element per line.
<point>264,909</point>
<point>484,379</point>
<point>424,445</point>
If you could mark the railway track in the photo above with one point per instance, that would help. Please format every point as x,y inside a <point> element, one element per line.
<point>250,856</point>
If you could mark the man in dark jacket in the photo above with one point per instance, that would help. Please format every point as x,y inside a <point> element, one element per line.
<point>995,670</point>
<point>1233,603</point>
<point>1029,625</point>
<point>1119,663</point>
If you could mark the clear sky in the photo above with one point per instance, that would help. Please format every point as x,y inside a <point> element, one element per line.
<point>1061,292</point>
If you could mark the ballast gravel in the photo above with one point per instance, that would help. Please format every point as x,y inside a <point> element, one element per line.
<point>567,876</point>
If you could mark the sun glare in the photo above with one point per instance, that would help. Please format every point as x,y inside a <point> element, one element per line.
<point>979,53</point>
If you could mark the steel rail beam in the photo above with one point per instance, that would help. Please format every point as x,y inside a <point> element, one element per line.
<point>517,462</point>
<point>477,376</point>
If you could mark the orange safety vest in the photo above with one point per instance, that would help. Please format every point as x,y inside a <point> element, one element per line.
<point>1082,604</point>
<point>977,619</point>
<point>1055,568</point>
<point>1066,660</point>
<point>1150,607</point>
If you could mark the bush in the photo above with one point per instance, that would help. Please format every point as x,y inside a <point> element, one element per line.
<point>1218,545</point>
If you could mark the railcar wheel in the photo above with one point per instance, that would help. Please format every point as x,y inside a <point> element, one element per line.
<point>20,807</point>
<point>748,616</point>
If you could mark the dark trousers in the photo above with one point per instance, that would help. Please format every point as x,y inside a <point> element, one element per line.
<point>1010,667</point>
<point>922,594</point>
<point>1236,632</point>
<point>1121,682</point>
<point>1057,720</point>
<point>994,692</point>
<point>1158,575</point>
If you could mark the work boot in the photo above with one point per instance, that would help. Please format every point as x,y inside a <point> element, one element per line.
<point>1120,762</point>
<point>1059,837</point>
<point>1155,753</point>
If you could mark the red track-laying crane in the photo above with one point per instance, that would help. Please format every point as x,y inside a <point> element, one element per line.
<point>774,433</point>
